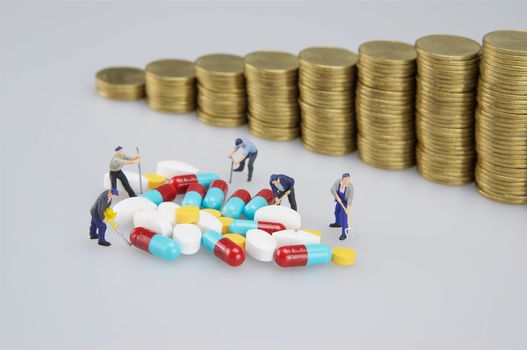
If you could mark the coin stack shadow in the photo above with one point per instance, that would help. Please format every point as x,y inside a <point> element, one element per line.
<point>447,75</point>
<point>272,94</point>
<point>171,86</point>
<point>385,104</point>
<point>121,83</point>
<point>221,90</point>
<point>327,84</point>
<point>501,118</point>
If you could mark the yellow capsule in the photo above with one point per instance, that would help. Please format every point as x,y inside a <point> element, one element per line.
<point>343,256</point>
<point>188,214</point>
<point>225,222</point>
<point>155,180</point>
<point>236,238</point>
<point>214,212</point>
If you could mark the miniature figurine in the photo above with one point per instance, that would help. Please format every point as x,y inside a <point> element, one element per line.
<point>98,221</point>
<point>342,190</point>
<point>282,186</point>
<point>249,151</point>
<point>116,164</point>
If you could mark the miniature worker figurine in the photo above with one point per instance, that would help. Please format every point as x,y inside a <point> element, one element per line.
<point>249,151</point>
<point>342,190</point>
<point>98,224</point>
<point>116,164</point>
<point>282,186</point>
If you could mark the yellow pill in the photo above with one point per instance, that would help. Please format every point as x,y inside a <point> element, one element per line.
<point>343,256</point>
<point>236,238</point>
<point>155,180</point>
<point>188,214</point>
<point>315,232</point>
<point>214,212</point>
<point>225,222</point>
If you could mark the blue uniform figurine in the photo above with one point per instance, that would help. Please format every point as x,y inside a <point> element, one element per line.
<point>342,190</point>
<point>283,185</point>
<point>98,226</point>
<point>249,151</point>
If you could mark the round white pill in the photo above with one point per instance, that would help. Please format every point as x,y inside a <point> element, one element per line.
<point>260,245</point>
<point>168,210</point>
<point>285,237</point>
<point>126,209</point>
<point>284,215</point>
<point>304,237</point>
<point>170,168</point>
<point>188,236</point>
<point>154,221</point>
<point>207,221</point>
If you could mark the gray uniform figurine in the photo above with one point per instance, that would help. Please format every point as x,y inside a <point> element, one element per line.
<point>342,190</point>
<point>116,164</point>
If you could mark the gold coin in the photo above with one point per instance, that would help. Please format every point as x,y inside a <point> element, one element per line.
<point>121,83</point>
<point>512,42</point>
<point>448,47</point>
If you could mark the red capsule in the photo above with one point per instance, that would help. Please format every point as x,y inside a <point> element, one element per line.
<point>266,194</point>
<point>291,256</point>
<point>229,252</point>
<point>140,237</point>
<point>181,182</point>
<point>168,192</point>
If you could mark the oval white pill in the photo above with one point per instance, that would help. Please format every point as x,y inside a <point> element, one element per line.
<point>207,221</point>
<point>153,220</point>
<point>303,237</point>
<point>188,236</point>
<point>170,168</point>
<point>284,215</point>
<point>285,237</point>
<point>168,210</point>
<point>126,209</point>
<point>260,245</point>
<point>133,180</point>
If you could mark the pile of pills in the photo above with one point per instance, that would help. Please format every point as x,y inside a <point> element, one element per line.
<point>230,227</point>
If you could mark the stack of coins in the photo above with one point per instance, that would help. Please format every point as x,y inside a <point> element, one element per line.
<point>221,90</point>
<point>501,118</point>
<point>121,83</point>
<point>272,93</point>
<point>171,86</point>
<point>327,84</point>
<point>385,104</point>
<point>447,76</point>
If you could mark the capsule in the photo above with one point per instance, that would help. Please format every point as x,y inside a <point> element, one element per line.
<point>224,249</point>
<point>155,243</point>
<point>242,226</point>
<point>234,206</point>
<point>303,255</point>
<point>194,195</point>
<point>263,198</point>
<point>163,193</point>
<point>215,195</point>
<point>181,182</point>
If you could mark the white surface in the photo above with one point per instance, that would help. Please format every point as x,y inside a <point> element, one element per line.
<point>438,267</point>
<point>283,215</point>
<point>170,168</point>
<point>153,220</point>
<point>260,245</point>
<point>189,238</point>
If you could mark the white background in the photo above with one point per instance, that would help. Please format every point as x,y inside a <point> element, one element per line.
<point>438,267</point>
